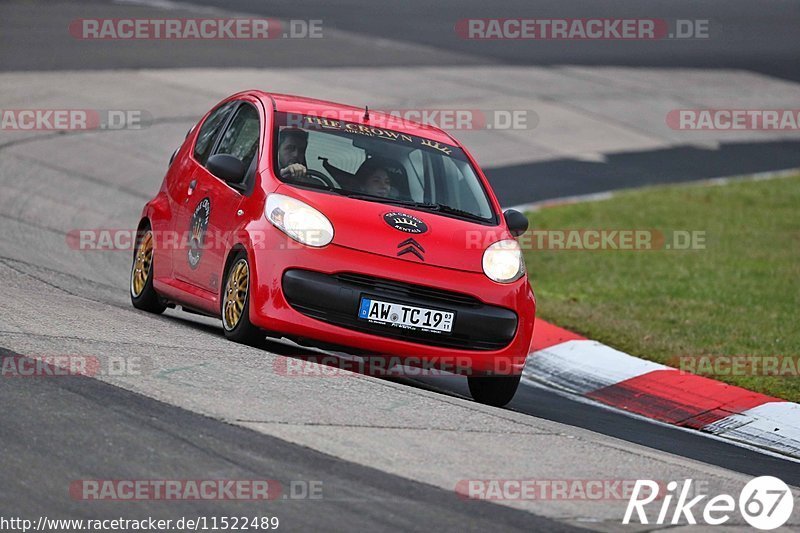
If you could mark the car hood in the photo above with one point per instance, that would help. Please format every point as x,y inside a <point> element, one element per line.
<point>411,235</point>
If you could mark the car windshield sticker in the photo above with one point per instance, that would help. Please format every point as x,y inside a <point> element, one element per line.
<point>295,120</point>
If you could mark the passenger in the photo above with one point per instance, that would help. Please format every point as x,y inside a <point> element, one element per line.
<point>373,177</point>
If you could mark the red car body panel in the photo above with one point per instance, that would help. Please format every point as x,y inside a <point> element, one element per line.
<point>363,244</point>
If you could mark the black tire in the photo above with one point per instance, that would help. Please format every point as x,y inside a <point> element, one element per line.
<point>241,330</point>
<point>147,298</point>
<point>493,390</point>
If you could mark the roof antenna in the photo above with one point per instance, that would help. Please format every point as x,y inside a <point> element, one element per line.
<point>366,112</point>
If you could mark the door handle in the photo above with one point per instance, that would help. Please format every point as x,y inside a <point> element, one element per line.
<point>190,190</point>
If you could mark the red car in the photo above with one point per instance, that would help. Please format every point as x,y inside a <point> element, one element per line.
<point>334,225</point>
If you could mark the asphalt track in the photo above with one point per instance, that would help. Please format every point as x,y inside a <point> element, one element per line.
<point>154,438</point>
<point>606,130</point>
<point>388,453</point>
<point>760,37</point>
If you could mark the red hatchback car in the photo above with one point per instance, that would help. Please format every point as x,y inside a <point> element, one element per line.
<point>333,225</point>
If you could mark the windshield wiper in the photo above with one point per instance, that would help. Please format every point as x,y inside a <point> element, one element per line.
<point>312,184</point>
<point>387,200</point>
<point>441,208</point>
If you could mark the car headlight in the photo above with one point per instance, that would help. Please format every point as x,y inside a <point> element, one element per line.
<point>502,261</point>
<point>298,220</point>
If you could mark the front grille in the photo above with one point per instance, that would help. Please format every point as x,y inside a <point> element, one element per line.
<point>406,290</point>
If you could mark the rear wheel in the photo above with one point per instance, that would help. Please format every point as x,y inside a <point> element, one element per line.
<point>143,296</point>
<point>236,303</point>
<point>493,390</point>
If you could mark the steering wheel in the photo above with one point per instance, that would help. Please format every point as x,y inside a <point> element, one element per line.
<point>326,180</point>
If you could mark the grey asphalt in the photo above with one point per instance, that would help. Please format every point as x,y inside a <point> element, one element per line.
<point>62,430</point>
<point>757,36</point>
<point>559,178</point>
<point>744,36</point>
<point>548,404</point>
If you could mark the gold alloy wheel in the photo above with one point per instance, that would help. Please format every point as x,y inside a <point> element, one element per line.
<point>142,264</point>
<point>235,294</point>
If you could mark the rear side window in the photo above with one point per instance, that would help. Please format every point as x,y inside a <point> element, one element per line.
<point>209,130</point>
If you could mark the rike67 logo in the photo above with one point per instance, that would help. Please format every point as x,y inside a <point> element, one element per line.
<point>765,503</point>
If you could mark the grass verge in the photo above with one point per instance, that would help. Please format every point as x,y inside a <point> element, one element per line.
<point>733,302</point>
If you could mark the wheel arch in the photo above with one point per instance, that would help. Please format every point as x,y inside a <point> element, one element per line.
<point>144,222</point>
<point>232,253</point>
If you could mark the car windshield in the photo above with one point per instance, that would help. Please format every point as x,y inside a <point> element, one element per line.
<point>377,164</point>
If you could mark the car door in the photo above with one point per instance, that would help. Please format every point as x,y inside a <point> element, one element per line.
<point>181,187</point>
<point>214,204</point>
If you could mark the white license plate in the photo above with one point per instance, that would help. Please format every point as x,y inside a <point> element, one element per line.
<point>406,316</point>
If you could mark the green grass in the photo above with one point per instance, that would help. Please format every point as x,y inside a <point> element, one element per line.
<point>738,296</point>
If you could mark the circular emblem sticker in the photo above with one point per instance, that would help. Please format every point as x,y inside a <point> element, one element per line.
<point>405,223</point>
<point>198,228</point>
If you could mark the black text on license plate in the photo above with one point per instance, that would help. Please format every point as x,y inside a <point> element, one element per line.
<point>406,316</point>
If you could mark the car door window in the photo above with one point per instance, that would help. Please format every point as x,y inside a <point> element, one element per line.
<point>209,130</point>
<point>241,136</point>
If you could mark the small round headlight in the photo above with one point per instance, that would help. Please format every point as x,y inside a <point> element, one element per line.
<point>298,220</point>
<point>502,261</point>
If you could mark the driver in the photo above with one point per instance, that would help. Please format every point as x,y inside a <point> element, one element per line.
<point>292,144</point>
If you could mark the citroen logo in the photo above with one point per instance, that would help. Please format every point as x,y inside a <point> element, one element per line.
<point>411,247</point>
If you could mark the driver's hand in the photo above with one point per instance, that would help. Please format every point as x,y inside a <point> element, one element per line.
<point>294,171</point>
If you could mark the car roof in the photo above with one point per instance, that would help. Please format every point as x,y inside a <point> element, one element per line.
<point>288,103</point>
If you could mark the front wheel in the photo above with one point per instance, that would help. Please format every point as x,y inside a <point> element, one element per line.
<point>493,390</point>
<point>236,303</point>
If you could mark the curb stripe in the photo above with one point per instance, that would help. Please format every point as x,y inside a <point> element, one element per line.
<point>565,360</point>
<point>774,426</point>
<point>681,399</point>
<point>546,335</point>
<point>584,366</point>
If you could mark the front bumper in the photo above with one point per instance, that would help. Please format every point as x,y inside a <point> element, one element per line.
<point>314,294</point>
<point>335,299</point>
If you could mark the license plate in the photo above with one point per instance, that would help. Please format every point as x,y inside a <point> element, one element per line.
<point>406,316</point>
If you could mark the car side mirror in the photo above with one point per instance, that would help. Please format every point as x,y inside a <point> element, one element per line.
<point>227,167</point>
<point>517,222</point>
